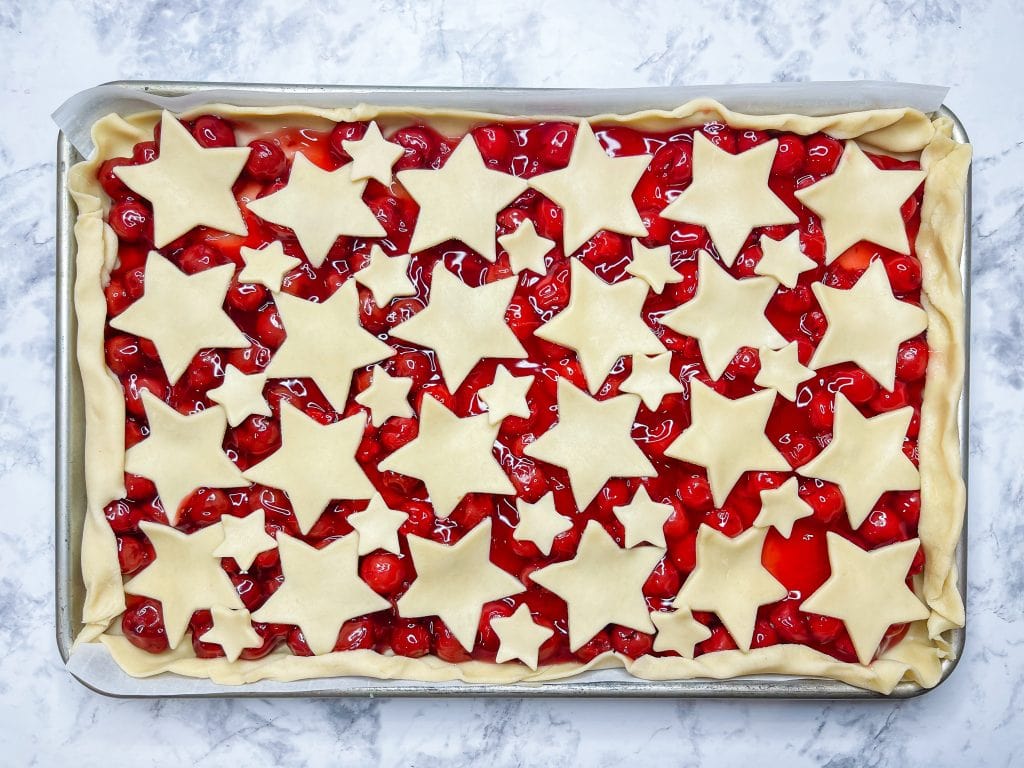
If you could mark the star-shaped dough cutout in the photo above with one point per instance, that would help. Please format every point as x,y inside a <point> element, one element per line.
<point>386,396</point>
<point>595,191</point>
<point>506,395</point>
<point>315,464</point>
<point>727,437</point>
<point>325,342</point>
<point>460,201</point>
<point>602,322</point>
<point>731,581</point>
<point>377,526</point>
<point>653,266</point>
<point>592,441</point>
<point>860,201</point>
<point>781,370</point>
<point>266,266</point>
<point>182,453</point>
<point>321,590</point>
<point>462,324</point>
<point>643,519</point>
<point>781,507</point>
<point>783,259</point>
<point>185,576</point>
<point>520,637</point>
<point>373,155</point>
<point>241,395</point>
<point>651,379</point>
<point>865,458</point>
<point>319,206</point>
<point>188,185</point>
<point>245,538</point>
<point>602,584</point>
<point>526,249</point>
<point>678,631</point>
<point>867,591</point>
<point>176,334</point>
<point>540,522</point>
<point>866,324</point>
<point>453,582</point>
<point>232,630</point>
<point>466,443</point>
<point>386,276</point>
<point>725,314</point>
<point>729,195</point>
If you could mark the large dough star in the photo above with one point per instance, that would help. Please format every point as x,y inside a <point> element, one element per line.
<point>602,584</point>
<point>729,195</point>
<point>452,456</point>
<point>178,334</point>
<point>865,458</point>
<point>592,441</point>
<point>602,323</point>
<point>595,191</point>
<point>188,185</point>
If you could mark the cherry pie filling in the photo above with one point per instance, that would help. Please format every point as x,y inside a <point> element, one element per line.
<point>799,429</point>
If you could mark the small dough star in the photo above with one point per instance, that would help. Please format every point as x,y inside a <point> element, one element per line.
<point>781,507</point>
<point>526,249</point>
<point>188,185</point>
<point>245,538</point>
<point>651,379</point>
<point>506,396</point>
<point>241,395</point>
<point>643,519</point>
<point>678,631</point>
<point>386,396</point>
<point>540,522</point>
<point>653,266</point>
<point>377,526</point>
<point>781,370</point>
<point>521,638</point>
<point>232,630</point>
<point>373,155</point>
<point>783,259</point>
<point>267,265</point>
<point>386,276</point>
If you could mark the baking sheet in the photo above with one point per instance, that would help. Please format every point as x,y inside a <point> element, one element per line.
<point>94,667</point>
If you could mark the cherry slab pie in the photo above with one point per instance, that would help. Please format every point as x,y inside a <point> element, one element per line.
<point>440,395</point>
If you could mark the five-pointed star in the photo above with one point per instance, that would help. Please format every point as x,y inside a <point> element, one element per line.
<point>460,201</point>
<point>643,519</point>
<point>462,324</point>
<point>592,441</point>
<point>651,379</point>
<point>267,265</point>
<point>725,314</point>
<point>729,195</point>
<point>377,526</point>
<point>783,259</point>
<point>653,266</point>
<point>241,395</point>
<point>315,464</point>
<point>453,582</point>
<point>178,335</point>
<point>678,631</point>
<point>727,437</point>
<point>594,191</point>
<point>865,458</point>
<point>386,396</point>
<point>781,507</point>
<point>540,522</point>
<point>506,395</point>
<point>602,584</point>
<point>321,590</point>
<point>861,202</point>
<point>386,276</point>
<point>245,538</point>
<point>526,249</point>
<point>867,591</point>
<point>521,638</point>
<point>182,453</point>
<point>866,325</point>
<point>781,370</point>
<point>185,576</point>
<point>464,443</point>
<point>602,323</point>
<point>232,630</point>
<point>373,155</point>
<point>319,206</point>
<point>188,185</point>
<point>325,342</point>
<point>731,581</point>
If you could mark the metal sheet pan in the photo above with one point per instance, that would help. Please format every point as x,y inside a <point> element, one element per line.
<point>70,480</point>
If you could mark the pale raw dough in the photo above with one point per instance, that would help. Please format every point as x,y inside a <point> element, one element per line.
<point>781,507</point>
<point>386,276</point>
<point>521,638</point>
<point>506,395</point>
<point>377,526</point>
<point>678,631</point>
<point>653,266</point>
<point>266,266</point>
<point>540,522</point>
<point>650,379</point>
<point>783,259</point>
<point>782,370</point>
<point>643,519</point>
<point>373,155</point>
<point>241,395</point>
<point>386,396</point>
<point>232,630</point>
<point>526,249</point>
<point>245,538</point>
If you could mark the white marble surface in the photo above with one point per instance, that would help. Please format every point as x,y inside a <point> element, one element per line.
<point>49,50</point>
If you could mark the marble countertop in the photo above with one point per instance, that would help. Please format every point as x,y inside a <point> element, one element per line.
<point>52,49</point>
